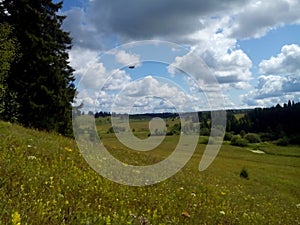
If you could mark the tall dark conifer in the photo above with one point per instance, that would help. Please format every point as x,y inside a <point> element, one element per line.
<point>42,78</point>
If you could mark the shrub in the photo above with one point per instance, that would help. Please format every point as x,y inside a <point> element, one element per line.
<point>295,140</point>
<point>244,174</point>
<point>252,138</point>
<point>228,136</point>
<point>204,131</point>
<point>282,141</point>
<point>242,133</point>
<point>267,137</point>
<point>237,140</point>
<point>176,129</point>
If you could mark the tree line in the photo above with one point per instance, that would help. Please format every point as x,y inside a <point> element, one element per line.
<point>36,81</point>
<point>276,119</point>
<point>273,123</point>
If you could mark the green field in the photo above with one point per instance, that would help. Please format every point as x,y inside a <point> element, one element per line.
<point>45,180</point>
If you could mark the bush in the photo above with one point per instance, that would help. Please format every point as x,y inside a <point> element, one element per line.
<point>244,174</point>
<point>282,141</point>
<point>237,140</point>
<point>252,138</point>
<point>176,129</point>
<point>228,136</point>
<point>204,131</point>
<point>295,140</point>
<point>267,137</point>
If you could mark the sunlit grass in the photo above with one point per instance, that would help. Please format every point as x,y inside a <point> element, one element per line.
<point>45,180</point>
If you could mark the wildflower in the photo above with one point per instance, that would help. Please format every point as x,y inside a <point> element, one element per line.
<point>298,206</point>
<point>29,146</point>
<point>186,214</point>
<point>143,220</point>
<point>182,188</point>
<point>193,194</point>
<point>16,218</point>
<point>68,149</point>
<point>223,193</point>
<point>108,220</point>
<point>31,157</point>
<point>132,215</point>
<point>222,212</point>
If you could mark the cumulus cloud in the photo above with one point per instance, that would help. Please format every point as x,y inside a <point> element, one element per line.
<point>259,17</point>
<point>230,69</point>
<point>126,58</point>
<point>209,28</point>
<point>280,78</point>
<point>154,94</point>
<point>285,63</point>
<point>175,20</point>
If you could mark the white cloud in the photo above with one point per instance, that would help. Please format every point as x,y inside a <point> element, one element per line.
<point>280,79</point>
<point>230,69</point>
<point>126,58</point>
<point>94,77</point>
<point>285,63</point>
<point>258,17</point>
<point>179,21</point>
<point>82,58</point>
<point>117,80</point>
<point>210,28</point>
<point>153,94</point>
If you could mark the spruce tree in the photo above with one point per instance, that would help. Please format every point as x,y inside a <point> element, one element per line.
<point>42,78</point>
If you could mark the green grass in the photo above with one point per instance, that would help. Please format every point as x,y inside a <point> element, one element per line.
<point>45,180</point>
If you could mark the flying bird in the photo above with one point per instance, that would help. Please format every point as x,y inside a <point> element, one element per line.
<point>131,67</point>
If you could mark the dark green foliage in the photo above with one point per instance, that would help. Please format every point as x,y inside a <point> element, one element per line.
<point>284,141</point>
<point>228,136</point>
<point>204,131</point>
<point>9,53</point>
<point>244,174</point>
<point>237,140</point>
<point>276,120</point>
<point>242,133</point>
<point>252,138</point>
<point>267,137</point>
<point>176,129</point>
<point>295,140</point>
<point>41,78</point>
<point>272,124</point>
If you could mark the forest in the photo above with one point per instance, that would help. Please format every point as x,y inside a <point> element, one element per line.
<point>274,123</point>
<point>279,124</point>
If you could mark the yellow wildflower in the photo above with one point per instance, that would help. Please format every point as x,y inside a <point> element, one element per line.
<point>68,149</point>
<point>186,214</point>
<point>16,218</point>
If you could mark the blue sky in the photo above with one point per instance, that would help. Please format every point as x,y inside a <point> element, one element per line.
<point>251,48</point>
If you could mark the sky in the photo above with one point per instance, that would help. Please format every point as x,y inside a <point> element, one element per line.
<point>187,55</point>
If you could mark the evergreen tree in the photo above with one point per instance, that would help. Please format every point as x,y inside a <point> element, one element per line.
<point>8,52</point>
<point>42,78</point>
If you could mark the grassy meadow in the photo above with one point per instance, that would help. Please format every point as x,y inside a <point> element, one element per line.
<point>44,179</point>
